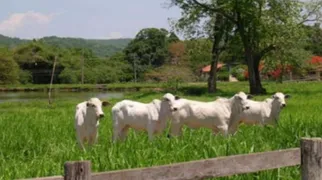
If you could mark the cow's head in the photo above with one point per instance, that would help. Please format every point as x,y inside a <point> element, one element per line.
<point>242,99</point>
<point>171,99</point>
<point>279,98</point>
<point>95,105</point>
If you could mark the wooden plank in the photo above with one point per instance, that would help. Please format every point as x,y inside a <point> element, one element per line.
<point>47,178</point>
<point>216,167</point>
<point>77,170</point>
<point>311,158</point>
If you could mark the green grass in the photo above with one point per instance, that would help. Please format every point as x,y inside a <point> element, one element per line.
<point>36,140</point>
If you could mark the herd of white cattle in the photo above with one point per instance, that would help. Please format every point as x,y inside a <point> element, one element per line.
<point>222,115</point>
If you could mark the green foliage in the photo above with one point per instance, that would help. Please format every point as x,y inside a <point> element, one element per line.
<point>100,47</point>
<point>108,70</point>
<point>314,34</point>
<point>148,50</point>
<point>173,75</point>
<point>198,53</point>
<point>25,77</point>
<point>262,25</point>
<point>238,72</point>
<point>9,70</point>
<point>11,42</point>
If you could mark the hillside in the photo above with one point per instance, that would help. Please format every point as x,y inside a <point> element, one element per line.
<point>101,47</point>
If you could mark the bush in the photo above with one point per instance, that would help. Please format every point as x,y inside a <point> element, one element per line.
<point>70,76</point>
<point>223,75</point>
<point>9,71</point>
<point>238,72</point>
<point>173,75</point>
<point>25,77</point>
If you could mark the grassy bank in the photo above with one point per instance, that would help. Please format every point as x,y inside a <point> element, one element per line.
<point>201,86</point>
<point>80,87</point>
<point>36,139</point>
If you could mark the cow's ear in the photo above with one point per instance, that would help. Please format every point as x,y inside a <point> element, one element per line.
<point>238,97</point>
<point>176,97</point>
<point>287,96</point>
<point>249,96</point>
<point>105,103</point>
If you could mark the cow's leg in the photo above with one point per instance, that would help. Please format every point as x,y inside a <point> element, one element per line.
<point>151,130</point>
<point>175,129</point>
<point>80,139</point>
<point>215,130</point>
<point>117,128</point>
<point>93,137</point>
<point>233,127</point>
<point>224,129</point>
<point>124,132</point>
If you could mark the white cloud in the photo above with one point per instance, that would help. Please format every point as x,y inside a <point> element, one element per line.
<point>18,20</point>
<point>114,35</point>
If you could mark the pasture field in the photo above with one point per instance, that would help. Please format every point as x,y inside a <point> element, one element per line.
<point>36,140</point>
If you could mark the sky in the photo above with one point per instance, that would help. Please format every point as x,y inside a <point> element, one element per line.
<point>95,19</point>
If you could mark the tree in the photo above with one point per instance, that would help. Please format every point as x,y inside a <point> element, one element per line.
<point>216,28</point>
<point>147,50</point>
<point>173,38</point>
<point>198,53</point>
<point>176,51</point>
<point>314,34</point>
<point>9,70</point>
<point>257,23</point>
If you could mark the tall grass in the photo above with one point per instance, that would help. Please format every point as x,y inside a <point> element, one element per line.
<point>36,140</point>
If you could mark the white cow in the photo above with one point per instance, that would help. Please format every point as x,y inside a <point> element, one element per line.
<point>261,112</point>
<point>150,117</point>
<point>87,116</point>
<point>214,115</point>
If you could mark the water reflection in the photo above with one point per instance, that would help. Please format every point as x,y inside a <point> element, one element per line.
<point>27,96</point>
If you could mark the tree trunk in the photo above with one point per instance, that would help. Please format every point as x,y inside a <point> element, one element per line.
<point>212,80</point>
<point>218,35</point>
<point>253,72</point>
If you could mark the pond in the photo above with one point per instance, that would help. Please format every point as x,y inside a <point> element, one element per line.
<point>27,96</point>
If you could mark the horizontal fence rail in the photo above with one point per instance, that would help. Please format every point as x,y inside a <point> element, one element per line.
<point>309,156</point>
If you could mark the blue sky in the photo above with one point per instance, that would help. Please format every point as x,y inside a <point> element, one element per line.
<point>100,19</point>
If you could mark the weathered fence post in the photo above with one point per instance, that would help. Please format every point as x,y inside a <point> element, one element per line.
<point>311,158</point>
<point>77,170</point>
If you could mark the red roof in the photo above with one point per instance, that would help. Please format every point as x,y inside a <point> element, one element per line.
<point>316,60</point>
<point>206,69</point>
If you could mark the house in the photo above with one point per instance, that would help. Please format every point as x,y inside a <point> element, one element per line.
<point>206,70</point>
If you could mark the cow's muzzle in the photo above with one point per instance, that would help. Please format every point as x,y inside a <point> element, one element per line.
<point>246,108</point>
<point>174,109</point>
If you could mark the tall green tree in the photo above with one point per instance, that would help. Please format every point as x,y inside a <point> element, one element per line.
<point>9,69</point>
<point>147,50</point>
<point>314,34</point>
<point>215,27</point>
<point>258,24</point>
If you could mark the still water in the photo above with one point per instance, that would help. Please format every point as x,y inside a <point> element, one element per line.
<point>28,96</point>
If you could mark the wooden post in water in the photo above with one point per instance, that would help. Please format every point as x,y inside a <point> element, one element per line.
<point>77,170</point>
<point>51,80</point>
<point>311,158</point>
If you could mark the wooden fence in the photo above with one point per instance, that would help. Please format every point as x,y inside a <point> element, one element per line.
<point>309,156</point>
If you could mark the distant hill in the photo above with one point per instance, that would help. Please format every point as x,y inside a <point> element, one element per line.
<point>101,47</point>
<point>11,42</point>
